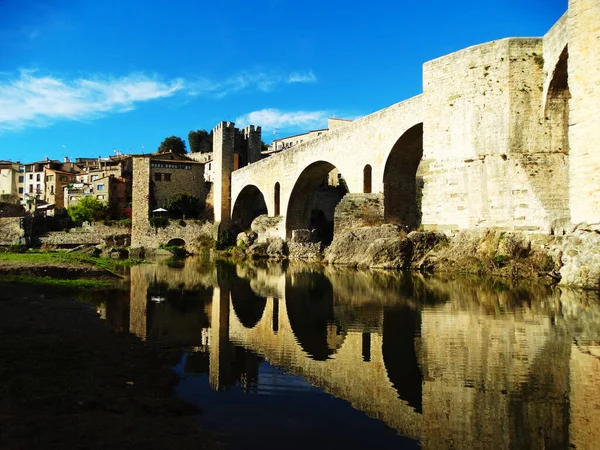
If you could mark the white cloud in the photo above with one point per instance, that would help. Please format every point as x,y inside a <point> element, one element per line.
<point>298,77</point>
<point>40,100</point>
<point>270,119</point>
<point>33,99</point>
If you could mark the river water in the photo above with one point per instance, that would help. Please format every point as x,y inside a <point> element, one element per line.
<point>304,356</point>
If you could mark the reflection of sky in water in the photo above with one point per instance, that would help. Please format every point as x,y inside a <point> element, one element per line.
<point>312,357</point>
<point>284,412</point>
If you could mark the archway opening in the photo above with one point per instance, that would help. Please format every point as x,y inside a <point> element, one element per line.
<point>277,198</point>
<point>367,176</point>
<point>318,190</point>
<point>249,204</point>
<point>402,188</point>
<point>310,310</point>
<point>248,306</point>
<point>177,242</point>
<point>557,105</point>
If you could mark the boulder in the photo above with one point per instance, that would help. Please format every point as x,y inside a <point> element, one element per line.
<point>350,247</point>
<point>390,253</point>
<point>276,249</point>
<point>581,260</point>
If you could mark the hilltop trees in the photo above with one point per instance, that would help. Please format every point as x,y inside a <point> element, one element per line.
<point>174,144</point>
<point>201,141</point>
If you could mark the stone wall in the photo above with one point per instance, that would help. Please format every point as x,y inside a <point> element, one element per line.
<point>196,234</point>
<point>10,230</point>
<point>584,115</point>
<point>358,210</point>
<point>185,178</point>
<point>223,146</point>
<point>93,235</point>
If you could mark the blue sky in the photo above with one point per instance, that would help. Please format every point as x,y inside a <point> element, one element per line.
<point>85,78</point>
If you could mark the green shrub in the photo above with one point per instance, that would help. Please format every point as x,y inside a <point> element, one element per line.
<point>159,222</point>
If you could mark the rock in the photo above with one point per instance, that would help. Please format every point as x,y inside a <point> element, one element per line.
<point>581,259</point>
<point>423,242</point>
<point>277,248</point>
<point>246,238</point>
<point>258,250</point>
<point>350,247</point>
<point>394,253</point>
<point>513,245</point>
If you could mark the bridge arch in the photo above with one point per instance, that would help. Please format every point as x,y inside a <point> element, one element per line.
<point>176,241</point>
<point>402,189</point>
<point>317,191</point>
<point>248,306</point>
<point>250,204</point>
<point>309,305</point>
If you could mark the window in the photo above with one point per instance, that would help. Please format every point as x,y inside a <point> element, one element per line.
<point>31,188</point>
<point>38,187</point>
<point>20,190</point>
<point>367,174</point>
<point>51,190</point>
<point>21,178</point>
<point>50,178</point>
<point>94,177</point>
<point>31,176</point>
<point>100,197</point>
<point>38,177</point>
<point>100,187</point>
<point>157,176</point>
<point>277,194</point>
<point>167,176</point>
<point>61,178</point>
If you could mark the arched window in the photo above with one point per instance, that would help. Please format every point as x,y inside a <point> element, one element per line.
<point>276,198</point>
<point>367,172</point>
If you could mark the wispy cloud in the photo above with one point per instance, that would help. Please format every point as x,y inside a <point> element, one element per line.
<point>306,77</point>
<point>30,98</point>
<point>39,100</point>
<point>270,119</point>
<point>260,80</point>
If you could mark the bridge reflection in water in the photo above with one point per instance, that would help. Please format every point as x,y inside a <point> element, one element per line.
<point>448,363</point>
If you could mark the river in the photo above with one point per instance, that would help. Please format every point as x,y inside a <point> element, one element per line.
<point>301,356</point>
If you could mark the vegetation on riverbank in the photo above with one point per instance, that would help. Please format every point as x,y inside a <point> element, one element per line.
<point>55,285</point>
<point>36,257</point>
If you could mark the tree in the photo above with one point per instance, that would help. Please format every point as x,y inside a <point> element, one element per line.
<point>174,144</point>
<point>88,209</point>
<point>201,141</point>
<point>184,205</point>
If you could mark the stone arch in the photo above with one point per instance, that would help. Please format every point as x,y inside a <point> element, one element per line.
<point>556,111</point>
<point>248,306</point>
<point>177,241</point>
<point>400,326</point>
<point>402,188</point>
<point>317,191</point>
<point>249,204</point>
<point>309,304</point>
<point>367,179</point>
<point>277,199</point>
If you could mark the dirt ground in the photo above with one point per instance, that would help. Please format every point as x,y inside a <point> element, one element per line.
<point>63,270</point>
<point>69,382</point>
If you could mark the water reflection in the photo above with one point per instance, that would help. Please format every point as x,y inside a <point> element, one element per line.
<point>448,363</point>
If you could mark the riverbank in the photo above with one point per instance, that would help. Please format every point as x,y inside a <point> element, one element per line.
<point>68,381</point>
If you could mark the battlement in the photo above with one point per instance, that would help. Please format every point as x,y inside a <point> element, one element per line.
<point>229,126</point>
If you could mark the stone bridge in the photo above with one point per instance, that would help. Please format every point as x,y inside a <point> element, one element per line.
<point>503,136</point>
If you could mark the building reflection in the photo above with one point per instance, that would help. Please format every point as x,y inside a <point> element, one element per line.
<point>452,364</point>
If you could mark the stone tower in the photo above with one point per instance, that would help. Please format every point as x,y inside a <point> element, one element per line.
<point>223,149</point>
<point>232,150</point>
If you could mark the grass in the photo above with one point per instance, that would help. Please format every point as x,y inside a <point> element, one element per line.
<point>55,285</point>
<point>35,257</point>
